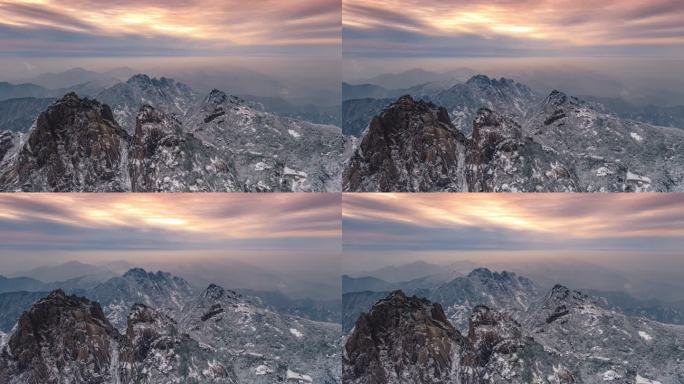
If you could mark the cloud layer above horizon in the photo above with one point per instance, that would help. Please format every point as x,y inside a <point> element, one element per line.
<point>508,28</point>
<point>130,225</point>
<point>168,28</point>
<point>394,223</point>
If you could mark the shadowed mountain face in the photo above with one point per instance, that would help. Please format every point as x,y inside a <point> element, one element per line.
<point>511,140</point>
<point>60,336</point>
<point>411,146</point>
<point>402,339</point>
<point>508,331</point>
<point>161,136</point>
<point>75,145</point>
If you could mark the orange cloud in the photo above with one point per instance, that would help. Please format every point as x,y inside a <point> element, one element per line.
<point>219,23</point>
<point>556,215</point>
<point>213,216</point>
<point>576,23</point>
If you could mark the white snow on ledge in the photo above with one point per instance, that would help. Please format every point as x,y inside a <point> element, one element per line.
<point>636,137</point>
<point>291,375</point>
<point>292,172</point>
<point>634,177</point>
<point>643,380</point>
<point>645,336</point>
<point>294,133</point>
<point>296,332</point>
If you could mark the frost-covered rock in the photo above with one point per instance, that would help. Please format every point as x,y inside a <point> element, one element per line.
<point>154,350</point>
<point>409,340</point>
<point>159,290</point>
<point>161,137</point>
<point>164,94</point>
<point>514,333</point>
<point>253,337</point>
<point>270,153</point>
<point>505,96</point>
<point>162,157</point>
<point>516,145</point>
<point>607,153</point>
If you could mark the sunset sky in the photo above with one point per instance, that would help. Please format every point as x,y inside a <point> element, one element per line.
<point>432,28</point>
<point>170,27</point>
<point>278,231</point>
<point>391,229</point>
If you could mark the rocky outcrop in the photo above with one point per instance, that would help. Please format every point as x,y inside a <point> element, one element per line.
<point>7,142</point>
<point>161,137</point>
<point>608,153</point>
<point>163,157</point>
<point>463,101</point>
<point>160,290</point>
<point>501,159</point>
<point>164,94</point>
<point>270,153</point>
<point>498,351</point>
<point>411,146</point>
<point>75,145</point>
<point>155,351</point>
<point>402,340</point>
<point>60,336</point>
<point>269,343</point>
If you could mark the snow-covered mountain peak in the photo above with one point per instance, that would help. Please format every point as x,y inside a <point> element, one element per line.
<point>217,293</point>
<point>560,294</point>
<point>558,99</point>
<point>139,78</point>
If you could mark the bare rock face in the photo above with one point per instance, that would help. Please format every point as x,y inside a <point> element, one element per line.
<point>60,336</point>
<point>411,146</point>
<point>402,340</point>
<point>75,145</point>
<point>163,157</point>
